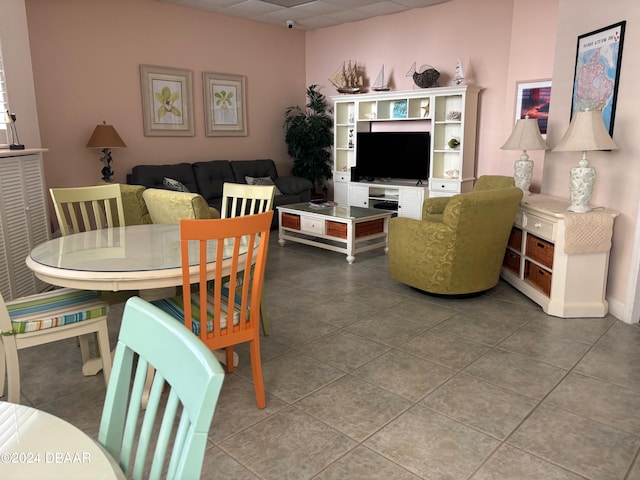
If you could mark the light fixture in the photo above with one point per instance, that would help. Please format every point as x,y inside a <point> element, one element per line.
<point>586,132</point>
<point>525,136</point>
<point>105,137</point>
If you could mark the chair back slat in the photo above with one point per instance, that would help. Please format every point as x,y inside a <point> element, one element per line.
<point>181,401</point>
<point>80,209</point>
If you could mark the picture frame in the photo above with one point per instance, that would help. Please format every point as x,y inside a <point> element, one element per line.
<point>167,102</point>
<point>225,104</point>
<point>597,72</point>
<point>399,109</point>
<point>533,98</point>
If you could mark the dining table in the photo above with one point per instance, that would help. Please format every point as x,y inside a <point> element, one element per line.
<point>35,444</point>
<point>144,258</point>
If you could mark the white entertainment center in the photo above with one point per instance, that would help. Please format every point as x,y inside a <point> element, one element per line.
<point>448,113</point>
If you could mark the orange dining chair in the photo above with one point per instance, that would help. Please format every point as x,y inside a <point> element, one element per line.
<point>228,313</point>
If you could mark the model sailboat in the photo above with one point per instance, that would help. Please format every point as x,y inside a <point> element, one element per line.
<point>380,85</point>
<point>347,78</point>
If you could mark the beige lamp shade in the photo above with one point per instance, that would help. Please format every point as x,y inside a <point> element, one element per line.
<point>525,136</point>
<point>586,132</point>
<point>105,136</point>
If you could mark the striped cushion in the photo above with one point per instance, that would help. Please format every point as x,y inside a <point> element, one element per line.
<point>174,307</point>
<point>54,309</point>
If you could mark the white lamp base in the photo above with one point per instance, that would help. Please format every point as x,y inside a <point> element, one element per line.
<point>523,172</point>
<point>580,188</point>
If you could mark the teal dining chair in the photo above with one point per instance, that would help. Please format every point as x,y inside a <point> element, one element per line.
<point>182,400</point>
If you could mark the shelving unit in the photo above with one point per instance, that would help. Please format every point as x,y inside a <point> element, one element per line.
<point>451,168</point>
<point>535,262</point>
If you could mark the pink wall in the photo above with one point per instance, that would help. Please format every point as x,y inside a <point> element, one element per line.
<point>86,57</point>
<point>437,36</point>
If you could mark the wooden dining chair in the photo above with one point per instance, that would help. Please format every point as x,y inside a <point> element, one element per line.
<point>229,313</point>
<point>239,199</point>
<point>48,317</point>
<point>79,209</point>
<point>182,401</point>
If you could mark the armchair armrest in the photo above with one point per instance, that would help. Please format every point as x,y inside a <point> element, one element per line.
<point>167,206</point>
<point>293,185</point>
<point>434,206</point>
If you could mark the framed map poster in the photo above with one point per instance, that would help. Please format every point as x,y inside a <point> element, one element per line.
<point>597,73</point>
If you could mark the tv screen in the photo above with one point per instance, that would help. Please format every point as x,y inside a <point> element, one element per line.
<point>401,155</point>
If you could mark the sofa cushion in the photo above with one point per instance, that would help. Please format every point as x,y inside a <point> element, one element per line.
<point>253,168</point>
<point>152,176</point>
<point>135,210</point>
<point>210,176</point>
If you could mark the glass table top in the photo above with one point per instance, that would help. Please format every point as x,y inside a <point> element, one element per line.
<point>122,249</point>
<point>338,211</point>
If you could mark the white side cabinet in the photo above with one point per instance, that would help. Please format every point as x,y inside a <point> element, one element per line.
<point>536,263</point>
<point>25,219</point>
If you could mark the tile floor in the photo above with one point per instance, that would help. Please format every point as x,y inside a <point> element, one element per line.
<point>368,379</point>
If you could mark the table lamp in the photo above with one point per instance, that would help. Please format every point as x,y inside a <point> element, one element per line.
<point>105,137</point>
<point>586,132</point>
<point>525,136</point>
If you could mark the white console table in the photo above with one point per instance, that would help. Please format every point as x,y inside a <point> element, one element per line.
<point>537,263</point>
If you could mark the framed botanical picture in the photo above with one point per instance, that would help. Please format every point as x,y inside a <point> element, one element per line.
<point>225,106</point>
<point>597,72</point>
<point>532,99</point>
<point>166,101</point>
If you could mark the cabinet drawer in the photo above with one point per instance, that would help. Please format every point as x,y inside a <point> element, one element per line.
<point>369,228</point>
<point>512,261</point>
<point>538,277</point>
<point>342,177</point>
<point>539,226</point>
<point>519,221</point>
<point>291,221</point>
<point>438,185</point>
<point>336,229</point>
<point>311,225</point>
<point>540,250</point>
<point>515,239</point>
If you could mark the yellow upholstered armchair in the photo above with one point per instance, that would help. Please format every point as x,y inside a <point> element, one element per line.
<point>458,246</point>
<point>168,206</point>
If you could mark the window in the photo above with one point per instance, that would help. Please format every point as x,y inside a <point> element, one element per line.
<point>4,105</point>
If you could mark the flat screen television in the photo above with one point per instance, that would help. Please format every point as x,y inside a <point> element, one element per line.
<point>399,155</point>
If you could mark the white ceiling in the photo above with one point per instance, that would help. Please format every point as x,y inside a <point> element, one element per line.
<point>306,14</point>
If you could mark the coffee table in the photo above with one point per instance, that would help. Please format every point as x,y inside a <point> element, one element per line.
<point>338,228</point>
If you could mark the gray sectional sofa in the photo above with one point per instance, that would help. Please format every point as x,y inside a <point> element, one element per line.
<point>207,178</point>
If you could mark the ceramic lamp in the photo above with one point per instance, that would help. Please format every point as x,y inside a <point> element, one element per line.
<point>105,137</point>
<point>586,132</point>
<point>525,136</point>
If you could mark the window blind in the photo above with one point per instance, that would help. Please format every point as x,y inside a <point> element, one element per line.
<point>4,104</point>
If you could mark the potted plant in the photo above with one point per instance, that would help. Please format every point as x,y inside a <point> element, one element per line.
<point>309,138</point>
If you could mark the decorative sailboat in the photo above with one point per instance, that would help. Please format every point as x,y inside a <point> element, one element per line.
<point>347,78</point>
<point>380,85</point>
<point>458,78</point>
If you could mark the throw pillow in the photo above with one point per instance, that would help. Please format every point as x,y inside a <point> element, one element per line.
<point>174,185</point>
<point>261,181</point>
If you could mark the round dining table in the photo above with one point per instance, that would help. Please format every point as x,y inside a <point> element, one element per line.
<point>35,444</point>
<point>144,258</point>
<point>135,257</point>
